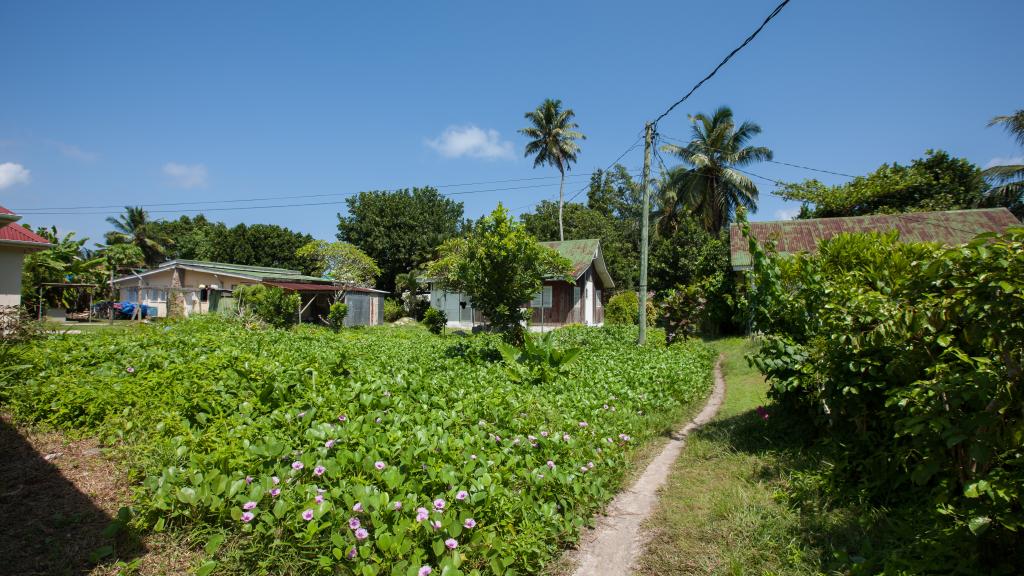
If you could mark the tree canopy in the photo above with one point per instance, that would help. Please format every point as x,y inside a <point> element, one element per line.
<point>339,261</point>
<point>936,182</point>
<point>135,227</point>
<point>500,266</point>
<point>401,229</point>
<point>553,135</point>
<point>1007,179</point>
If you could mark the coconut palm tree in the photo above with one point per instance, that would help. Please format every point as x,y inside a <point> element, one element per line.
<point>708,183</point>
<point>1008,179</point>
<point>135,227</point>
<point>553,142</point>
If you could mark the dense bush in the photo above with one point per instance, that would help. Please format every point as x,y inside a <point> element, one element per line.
<point>907,359</point>
<point>336,315</point>
<point>269,303</point>
<point>393,310</point>
<point>435,320</point>
<point>623,309</point>
<point>360,452</point>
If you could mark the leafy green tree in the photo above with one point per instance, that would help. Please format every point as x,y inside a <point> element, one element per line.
<point>500,266</point>
<point>66,261</point>
<point>620,254</point>
<point>256,245</point>
<point>339,261</point>
<point>135,227</point>
<point>553,136</point>
<point>1007,179</point>
<point>400,230</point>
<point>936,182</point>
<point>191,236</point>
<point>709,185</point>
<point>269,303</point>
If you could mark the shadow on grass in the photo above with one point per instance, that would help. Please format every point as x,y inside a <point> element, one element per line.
<point>48,526</point>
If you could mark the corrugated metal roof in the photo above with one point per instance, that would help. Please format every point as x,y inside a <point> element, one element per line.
<point>11,233</point>
<point>261,272</point>
<point>948,227</point>
<point>583,253</point>
<point>309,287</point>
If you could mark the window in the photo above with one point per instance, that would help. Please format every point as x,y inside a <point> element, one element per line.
<point>542,299</point>
<point>575,296</point>
<point>598,298</point>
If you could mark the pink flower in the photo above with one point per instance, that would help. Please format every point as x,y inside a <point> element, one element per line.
<point>378,420</point>
<point>307,515</point>
<point>462,495</point>
<point>358,507</point>
<point>353,523</point>
<point>472,456</point>
<point>319,470</point>
<point>248,505</point>
<point>551,464</point>
<point>469,523</point>
<point>583,424</point>
<point>583,468</point>
<point>544,433</point>
<point>275,492</point>
<point>565,437</point>
<point>605,406</point>
<point>319,498</point>
<point>424,571</point>
<point>624,437</point>
<point>439,504</point>
<point>301,414</point>
<point>343,418</point>
<point>590,464</point>
<point>398,505</point>
<point>435,524</point>
<point>298,465</point>
<point>362,534</point>
<point>421,514</point>
<point>762,412</point>
<point>379,465</point>
<point>531,437</point>
<point>352,553</point>
<point>247,517</point>
<point>275,480</point>
<point>130,370</point>
<point>451,543</point>
<point>248,479</point>
<point>329,444</point>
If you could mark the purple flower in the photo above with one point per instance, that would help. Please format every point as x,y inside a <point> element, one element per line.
<point>762,412</point>
<point>248,479</point>
<point>358,507</point>
<point>362,534</point>
<point>551,464</point>
<point>353,523</point>
<point>307,515</point>
<point>439,504</point>
<point>319,470</point>
<point>275,492</point>
<point>379,465</point>
<point>398,505</point>
<point>130,370</point>
<point>248,505</point>
<point>583,468</point>
<point>275,480</point>
<point>352,553</point>
<point>298,465</point>
<point>301,414</point>
<point>329,444</point>
<point>462,495</point>
<point>421,514</point>
<point>624,437</point>
<point>531,437</point>
<point>319,498</point>
<point>590,464</point>
<point>544,433</point>
<point>451,543</point>
<point>565,437</point>
<point>247,517</point>
<point>343,418</point>
<point>605,406</point>
<point>583,424</point>
<point>516,441</point>
<point>424,571</point>
<point>469,523</point>
<point>378,420</point>
<point>435,524</point>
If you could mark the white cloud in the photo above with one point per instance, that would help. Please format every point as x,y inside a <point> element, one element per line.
<point>786,213</point>
<point>74,152</point>
<point>472,141</point>
<point>998,161</point>
<point>186,175</point>
<point>11,174</point>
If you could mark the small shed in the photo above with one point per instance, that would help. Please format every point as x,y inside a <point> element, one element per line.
<point>365,305</point>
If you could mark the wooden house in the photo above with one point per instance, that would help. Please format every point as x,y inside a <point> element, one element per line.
<point>558,303</point>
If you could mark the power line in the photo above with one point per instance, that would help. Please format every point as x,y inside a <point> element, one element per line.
<point>750,38</point>
<point>685,143</point>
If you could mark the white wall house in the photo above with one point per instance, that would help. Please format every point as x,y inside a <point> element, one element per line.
<point>15,242</point>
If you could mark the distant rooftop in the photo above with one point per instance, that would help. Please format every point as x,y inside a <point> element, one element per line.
<point>238,270</point>
<point>582,253</point>
<point>948,227</point>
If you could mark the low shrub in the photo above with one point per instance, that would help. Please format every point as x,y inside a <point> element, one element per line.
<point>269,303</point>
<point>393,310</point>
<point>539,360</point>
<point>623,309</point>
<point>336,315</point>
<point>435,320</point>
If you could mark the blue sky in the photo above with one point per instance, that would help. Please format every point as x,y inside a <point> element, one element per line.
<point>119,103</point>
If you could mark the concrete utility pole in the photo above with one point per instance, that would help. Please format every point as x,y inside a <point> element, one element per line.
<point>645,182</point>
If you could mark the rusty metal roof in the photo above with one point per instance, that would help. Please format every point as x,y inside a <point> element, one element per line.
<point>947,227</point>
<point>583,253</point>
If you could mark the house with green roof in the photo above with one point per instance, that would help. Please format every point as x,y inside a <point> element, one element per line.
<point>202,287</point>
<point>949,227</point>
<point>558,303</point>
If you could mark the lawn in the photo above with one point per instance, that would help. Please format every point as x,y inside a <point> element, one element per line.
<point>370,451</point>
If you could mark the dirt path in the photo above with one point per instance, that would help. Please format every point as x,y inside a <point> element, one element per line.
<point>612,546</point>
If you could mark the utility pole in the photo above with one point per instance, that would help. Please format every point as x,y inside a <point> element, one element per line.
<point>645,180</point>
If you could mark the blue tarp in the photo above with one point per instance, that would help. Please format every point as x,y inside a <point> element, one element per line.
<point>128,309</point>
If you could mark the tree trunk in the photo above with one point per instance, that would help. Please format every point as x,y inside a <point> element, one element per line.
<point>561,202</point>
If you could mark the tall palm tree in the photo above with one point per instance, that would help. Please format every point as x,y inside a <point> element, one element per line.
<point>135,227</point>
<point>709,184</point>
<point>1008,179</point>
<point>553,142</point>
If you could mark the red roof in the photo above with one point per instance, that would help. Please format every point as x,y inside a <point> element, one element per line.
<point>15,233</point>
